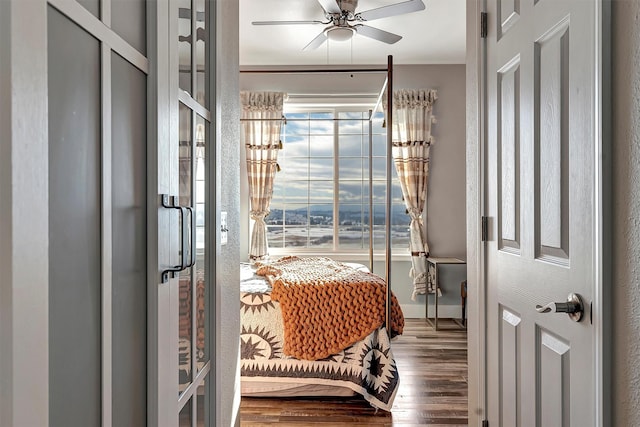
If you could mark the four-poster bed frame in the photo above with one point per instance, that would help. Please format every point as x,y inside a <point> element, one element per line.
<point>299,339</point>
<point>388,86</point>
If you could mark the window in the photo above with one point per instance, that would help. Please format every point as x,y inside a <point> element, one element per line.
<point>321,195</point>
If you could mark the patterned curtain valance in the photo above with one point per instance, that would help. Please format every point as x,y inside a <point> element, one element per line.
<point>412,116</point>
<point>414,98</point>
<point>262,101</point>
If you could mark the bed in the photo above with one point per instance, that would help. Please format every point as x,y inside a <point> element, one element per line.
<point>269,343</point>
<point>280,320</point>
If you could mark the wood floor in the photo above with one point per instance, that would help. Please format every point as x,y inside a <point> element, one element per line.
<point>432,392</point>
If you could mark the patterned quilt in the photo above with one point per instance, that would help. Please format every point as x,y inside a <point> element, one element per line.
<point>366,367</point>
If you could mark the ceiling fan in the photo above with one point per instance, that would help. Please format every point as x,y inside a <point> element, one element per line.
<point>343,21</point>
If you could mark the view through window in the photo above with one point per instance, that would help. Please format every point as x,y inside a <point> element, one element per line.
<point>321,194</point>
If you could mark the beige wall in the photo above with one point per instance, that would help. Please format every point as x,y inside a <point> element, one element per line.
<point>446,191</point>
<point>446,197</point>
<point>626,211</point>
<point>446,209</point>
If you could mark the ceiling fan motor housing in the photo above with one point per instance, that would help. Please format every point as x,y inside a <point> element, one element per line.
<point>348,5</point>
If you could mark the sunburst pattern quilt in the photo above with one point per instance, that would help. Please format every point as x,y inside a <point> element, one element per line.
<point>366,367</point>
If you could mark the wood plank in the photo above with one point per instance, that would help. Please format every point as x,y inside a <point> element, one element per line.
<point>432,391</point>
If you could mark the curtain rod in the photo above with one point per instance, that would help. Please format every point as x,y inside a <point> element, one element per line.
<point>332,95</point>
<point>285,119</point>
<point>319,70</point>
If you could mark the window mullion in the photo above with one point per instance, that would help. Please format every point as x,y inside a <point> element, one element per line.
<point>308,244</point>
<point>336,184</point>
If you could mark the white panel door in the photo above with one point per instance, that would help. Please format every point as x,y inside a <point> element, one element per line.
<point>542,200</point>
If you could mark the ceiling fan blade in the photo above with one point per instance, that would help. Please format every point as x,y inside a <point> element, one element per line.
<point>378,34</point>
<point>330,6</point>
<point>391,10</point>
<point>286,22</point>
<point>316,42</point>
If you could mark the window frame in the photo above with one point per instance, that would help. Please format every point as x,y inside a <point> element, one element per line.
<point>401,249</point>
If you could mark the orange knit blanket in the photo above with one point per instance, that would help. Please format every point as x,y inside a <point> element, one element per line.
<point>327,306</point>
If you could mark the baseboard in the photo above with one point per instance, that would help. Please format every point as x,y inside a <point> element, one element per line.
<point>417,311</point>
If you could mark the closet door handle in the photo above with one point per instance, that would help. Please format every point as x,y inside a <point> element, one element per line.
<point>187,241</point>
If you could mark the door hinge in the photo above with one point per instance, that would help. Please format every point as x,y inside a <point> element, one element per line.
<point>485,228</point>
<point>483,25</point>
<point>485,423</point>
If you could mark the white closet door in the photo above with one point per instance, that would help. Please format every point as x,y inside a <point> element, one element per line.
<point>98,213</point>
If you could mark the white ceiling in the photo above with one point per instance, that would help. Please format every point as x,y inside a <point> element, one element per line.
<point>435,35</point>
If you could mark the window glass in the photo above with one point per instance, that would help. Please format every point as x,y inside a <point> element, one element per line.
<point>185,189</point>
<point>184,45</point>
<point>92,6</point>
<point>313,181</point>
<point>128,20</point>
<point>202,36</point>
<point>350,145</point>
<point>321,169</point>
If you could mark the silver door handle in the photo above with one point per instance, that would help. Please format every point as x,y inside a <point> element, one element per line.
<point>574,307</point>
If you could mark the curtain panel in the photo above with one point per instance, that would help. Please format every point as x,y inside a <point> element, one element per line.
<point>411,142</point>
<point>262,120</point>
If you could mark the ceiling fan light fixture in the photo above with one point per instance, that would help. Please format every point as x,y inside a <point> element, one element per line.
<point>339,34</point>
